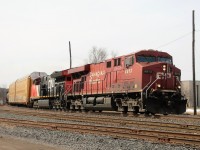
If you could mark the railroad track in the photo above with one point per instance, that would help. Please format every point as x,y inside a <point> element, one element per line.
<point>111,113</point>
<point>116,132</point>
<point>183,117</point>
<point>123,122</point>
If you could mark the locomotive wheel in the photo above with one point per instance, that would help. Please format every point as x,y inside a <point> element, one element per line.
<point>147,113</point>
<point>64,109</point>
<point>72,108</point>
<point>50,106</point>
<point>86,110</point>
<point>136,110</point>
<point>124,109</point>
<point>79,109</point>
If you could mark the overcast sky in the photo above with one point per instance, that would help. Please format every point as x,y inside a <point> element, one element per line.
<point>34,34</point>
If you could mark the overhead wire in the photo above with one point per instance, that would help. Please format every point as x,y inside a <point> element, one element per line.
<point>181,37</point>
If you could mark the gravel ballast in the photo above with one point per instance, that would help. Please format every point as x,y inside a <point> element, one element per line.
<point>77,141</point>
<point>74,141</point>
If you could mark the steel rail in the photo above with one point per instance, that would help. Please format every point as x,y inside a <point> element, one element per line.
<point>113,113</point>
<point>116,132</point>
<point>124,122</point>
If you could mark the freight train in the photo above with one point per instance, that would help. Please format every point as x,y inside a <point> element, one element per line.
<point>145,81</point>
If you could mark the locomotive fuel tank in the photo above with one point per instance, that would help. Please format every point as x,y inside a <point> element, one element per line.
<point>99,103</point>
<point>43,103</point>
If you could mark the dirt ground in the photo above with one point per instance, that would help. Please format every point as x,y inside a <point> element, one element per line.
<point>10,143</point>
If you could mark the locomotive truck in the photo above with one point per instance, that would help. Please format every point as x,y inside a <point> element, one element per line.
<point>145,81</point>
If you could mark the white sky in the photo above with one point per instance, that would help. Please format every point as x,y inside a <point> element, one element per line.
<point>34,34</point>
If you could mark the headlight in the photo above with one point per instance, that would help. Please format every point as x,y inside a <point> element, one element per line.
<point>164,67</point>
<point>179,87</point>
<point>158,85</point>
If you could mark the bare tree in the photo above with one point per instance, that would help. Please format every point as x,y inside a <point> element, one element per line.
<point>97,55</point>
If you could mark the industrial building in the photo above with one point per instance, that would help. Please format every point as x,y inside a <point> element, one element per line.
<point>187,90</point>
<point>3,95</point>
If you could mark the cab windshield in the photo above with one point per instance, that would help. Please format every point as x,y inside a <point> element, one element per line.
<point>154,59</point>
<point>165,59</point>
<point>146,58</point>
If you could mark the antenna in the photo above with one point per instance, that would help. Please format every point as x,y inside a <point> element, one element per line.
<point>70,55</point>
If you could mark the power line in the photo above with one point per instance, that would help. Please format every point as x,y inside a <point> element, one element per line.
<point>174,40</point>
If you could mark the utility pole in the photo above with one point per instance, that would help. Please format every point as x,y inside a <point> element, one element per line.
<point>70,55</point>
<point>193,63</point>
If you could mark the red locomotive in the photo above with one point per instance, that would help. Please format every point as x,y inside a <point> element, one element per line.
<point>145,81</point>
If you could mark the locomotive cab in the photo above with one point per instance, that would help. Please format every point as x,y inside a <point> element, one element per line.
<point>161,87</point>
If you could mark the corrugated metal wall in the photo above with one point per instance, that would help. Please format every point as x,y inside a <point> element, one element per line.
<point>3,95</point>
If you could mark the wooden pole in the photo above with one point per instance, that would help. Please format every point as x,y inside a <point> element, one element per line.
<point>193,62</point>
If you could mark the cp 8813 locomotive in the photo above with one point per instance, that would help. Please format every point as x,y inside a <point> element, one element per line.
<point>145,81</point>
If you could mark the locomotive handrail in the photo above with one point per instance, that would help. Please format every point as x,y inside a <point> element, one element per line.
<point>67,90</point>
<point>145,87</point>
<point>148,83</point>
<point>151,85</point>
<point>178,80</point>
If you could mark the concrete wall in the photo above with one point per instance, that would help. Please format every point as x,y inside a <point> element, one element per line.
<point>187,90</point>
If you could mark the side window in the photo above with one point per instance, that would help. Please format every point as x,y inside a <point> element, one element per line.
<point>129,61</point>
<point>108,64</point>
<point>117,62</point>
<point>132,59</point>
